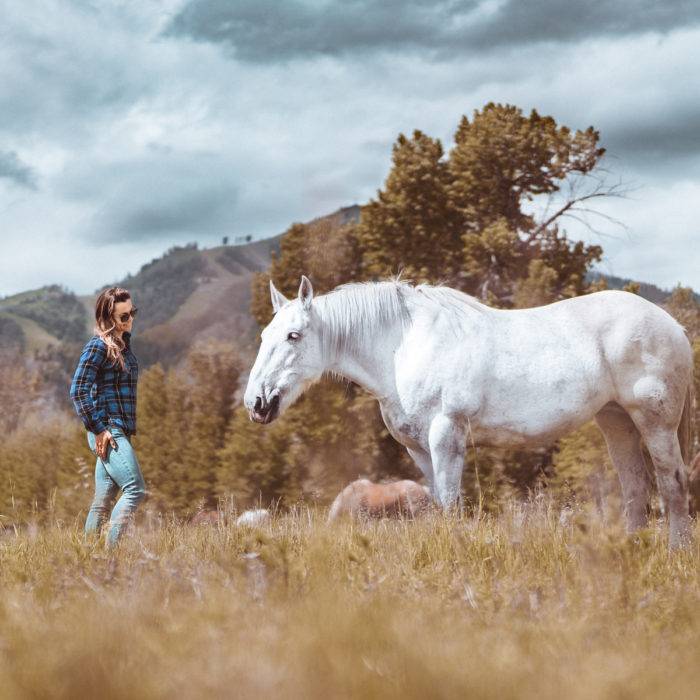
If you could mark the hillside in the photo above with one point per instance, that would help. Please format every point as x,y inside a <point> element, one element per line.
<point>185,296</point>
<point>31,320</point>
<point>190,295</point>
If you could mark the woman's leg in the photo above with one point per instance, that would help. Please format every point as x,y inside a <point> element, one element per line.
<point>123,467</point>
<point>105,491</point>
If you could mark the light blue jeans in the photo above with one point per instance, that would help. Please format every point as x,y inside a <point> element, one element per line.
<point>120,470</point>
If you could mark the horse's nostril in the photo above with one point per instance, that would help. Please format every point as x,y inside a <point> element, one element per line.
<point>258,403</point>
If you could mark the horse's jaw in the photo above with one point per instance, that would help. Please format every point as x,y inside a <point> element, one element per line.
<point>267,416</point>
<point>280,401</point>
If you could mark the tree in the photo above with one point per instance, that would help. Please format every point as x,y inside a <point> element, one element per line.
<point>21,390</point>
<point>470,219</point>
<point>684,307</point>
<point>412,215</point>
<point>326,253</point>
<point>211,379</point>
<point>183,417</point>
<point>502,159</point>
<point>582,468</point>
<point>153,441</point>
<point>331,436</point>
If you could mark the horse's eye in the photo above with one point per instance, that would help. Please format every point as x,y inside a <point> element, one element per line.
<point>294,336</point>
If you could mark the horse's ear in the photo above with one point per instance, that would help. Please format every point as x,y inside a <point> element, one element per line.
<point>306,292</point>
<point>278,299</point>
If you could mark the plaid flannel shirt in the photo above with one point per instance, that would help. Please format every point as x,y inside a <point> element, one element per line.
<point>103,394</point>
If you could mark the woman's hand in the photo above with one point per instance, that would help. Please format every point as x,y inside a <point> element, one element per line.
<point>101,441</point>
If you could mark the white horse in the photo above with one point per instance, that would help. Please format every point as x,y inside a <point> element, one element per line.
<point>448,370</point>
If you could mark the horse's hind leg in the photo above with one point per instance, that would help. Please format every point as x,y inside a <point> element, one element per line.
<point>671,478</point>
<point>624,445</point>
<point>656,414</point>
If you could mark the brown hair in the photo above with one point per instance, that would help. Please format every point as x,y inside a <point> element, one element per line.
<point>105,325</point>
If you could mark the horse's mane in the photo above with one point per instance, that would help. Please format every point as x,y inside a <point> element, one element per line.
<point>350,310</point>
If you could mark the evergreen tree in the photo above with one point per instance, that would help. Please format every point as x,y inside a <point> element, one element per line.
<point>684,307</point>
<point>21,390</point>
<point>582,470</point>
<point>465,220</point>
<point>211,380</point>
<point>152,439</point>
<point>410,226</point>
<point>325,253</point>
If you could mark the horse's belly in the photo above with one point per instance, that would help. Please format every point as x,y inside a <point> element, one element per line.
<point>531,426</point>
<point>535,401</point>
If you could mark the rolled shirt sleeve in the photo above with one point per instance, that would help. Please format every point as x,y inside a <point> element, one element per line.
<point>91,360</point>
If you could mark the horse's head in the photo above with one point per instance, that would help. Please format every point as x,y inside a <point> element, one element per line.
<point>290,357</point>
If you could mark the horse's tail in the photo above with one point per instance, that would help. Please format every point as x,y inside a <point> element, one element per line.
<point>685,427</point>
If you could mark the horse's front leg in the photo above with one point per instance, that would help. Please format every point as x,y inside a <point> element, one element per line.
<point>447,440</point>
<point>422,459</point>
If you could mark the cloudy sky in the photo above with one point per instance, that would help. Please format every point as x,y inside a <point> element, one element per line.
<point>130,126</point>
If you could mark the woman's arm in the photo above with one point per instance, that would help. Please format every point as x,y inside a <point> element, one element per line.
<point>91,359</point>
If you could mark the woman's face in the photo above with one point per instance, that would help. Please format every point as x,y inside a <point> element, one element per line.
<point>122,310</point>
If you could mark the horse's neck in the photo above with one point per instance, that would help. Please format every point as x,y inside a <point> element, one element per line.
<point>369,363</point>
<point>371,372</point>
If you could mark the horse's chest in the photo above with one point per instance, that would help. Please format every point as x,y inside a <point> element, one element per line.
<point>402,427</point>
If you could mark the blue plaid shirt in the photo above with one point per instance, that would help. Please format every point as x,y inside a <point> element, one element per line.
<point>103,394</point>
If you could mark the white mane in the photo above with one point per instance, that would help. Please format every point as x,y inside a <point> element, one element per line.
<point>352,310</point>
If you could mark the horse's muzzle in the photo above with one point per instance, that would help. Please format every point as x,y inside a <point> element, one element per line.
<point>265,411</point>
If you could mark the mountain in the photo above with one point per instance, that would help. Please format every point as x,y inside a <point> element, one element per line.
<point>190,295</point>
<point>185,296</point>
<point>646,290</point>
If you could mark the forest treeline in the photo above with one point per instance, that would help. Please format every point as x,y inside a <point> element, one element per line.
<point>487,217</point>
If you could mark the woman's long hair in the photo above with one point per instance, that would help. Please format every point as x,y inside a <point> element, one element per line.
<point>105,325</point>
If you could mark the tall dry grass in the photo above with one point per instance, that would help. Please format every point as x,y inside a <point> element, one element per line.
<point>531,603</point>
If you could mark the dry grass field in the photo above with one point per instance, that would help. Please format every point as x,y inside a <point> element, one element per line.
<point>531,603</point>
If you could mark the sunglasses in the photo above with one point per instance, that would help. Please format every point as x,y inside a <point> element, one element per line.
<point>123,318</point>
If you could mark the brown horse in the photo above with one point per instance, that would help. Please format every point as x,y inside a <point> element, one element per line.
<point>363,499</point>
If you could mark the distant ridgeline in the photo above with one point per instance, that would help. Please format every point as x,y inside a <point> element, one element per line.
<point>646,290</point>
<point>54,310</point>
<point>186,295</point>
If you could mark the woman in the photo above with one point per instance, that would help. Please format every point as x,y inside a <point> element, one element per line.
<point>104,394</point>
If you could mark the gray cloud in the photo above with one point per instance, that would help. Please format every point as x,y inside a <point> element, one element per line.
<point>517,22</point>
<point>161,196</point>
<point>644,141</point>
<point>60,78</point>
<point>12,168</point>
<point>267,31</point>
<point>153,124</point>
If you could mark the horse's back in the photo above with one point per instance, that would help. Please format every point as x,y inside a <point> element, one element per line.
<point>526,377</point>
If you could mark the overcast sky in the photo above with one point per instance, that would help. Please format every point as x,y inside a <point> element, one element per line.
<point>129,127</point>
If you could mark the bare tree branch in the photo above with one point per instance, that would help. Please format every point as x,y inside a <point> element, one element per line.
<point>579,190</point>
